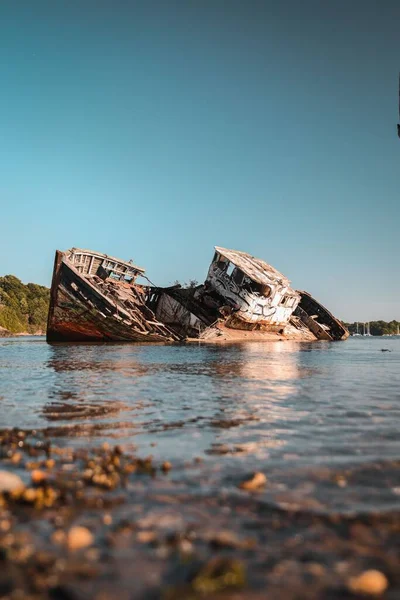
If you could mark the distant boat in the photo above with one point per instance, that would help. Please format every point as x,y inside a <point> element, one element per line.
<point>367,332</point>
<point>357,333</point>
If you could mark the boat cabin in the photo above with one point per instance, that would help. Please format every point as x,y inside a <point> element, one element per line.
<point>256,291</point>
<point>89,263</point>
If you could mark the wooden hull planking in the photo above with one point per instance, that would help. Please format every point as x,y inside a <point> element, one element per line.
<point>327,327</point>
<point>79,312</point>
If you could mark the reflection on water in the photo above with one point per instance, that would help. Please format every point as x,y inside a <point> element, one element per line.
<point>296,411</point>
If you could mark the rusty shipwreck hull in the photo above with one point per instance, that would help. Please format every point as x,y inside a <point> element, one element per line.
<point>89,309</point>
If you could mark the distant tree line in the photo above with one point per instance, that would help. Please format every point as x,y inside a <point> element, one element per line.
<point>23,307</point>
<point>375,327</point>
<point>191,284</point>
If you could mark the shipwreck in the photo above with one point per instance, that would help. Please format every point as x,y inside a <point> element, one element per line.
<point>247,294</point>
<point>96,298</point>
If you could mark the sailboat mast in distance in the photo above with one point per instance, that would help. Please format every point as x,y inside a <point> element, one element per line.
<point>398,124</point>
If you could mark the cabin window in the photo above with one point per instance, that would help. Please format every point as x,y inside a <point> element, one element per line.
<point>265,291</point>
<point>237,276</point>
<point>287,301</point>
<point>252,286</point>
<point>230,269</point>
<point>221,262</point>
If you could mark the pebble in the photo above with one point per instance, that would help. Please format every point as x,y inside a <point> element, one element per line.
<point>5,525</point>
<point>16,458</point>
<point>30,495</point>
<point>79,537</point>
<point>58,536</point>
<point>107,519</point>
<point>38,476</point>
<point>145,537</point>
<point>256,481</point>
<point>225,539</point>
<point>369,583</point>
<point>9,482</point>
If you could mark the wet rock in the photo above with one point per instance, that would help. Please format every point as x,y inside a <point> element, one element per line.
<point>16,458</point>
<point>146,537</point>
<point>107,519</point>
<point>369,583</point>
<point>58,537</point>
<point>166,466</point>
<point>218,575</point>
<point>38,476</point>
<point>29,495</point>
<point>5,525</point>
<point>228,539</point>
<point>9,482</point>
<point>256,481</point>
<point>79,537</point>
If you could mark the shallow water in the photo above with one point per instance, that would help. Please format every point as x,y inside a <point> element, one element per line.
<point>320,420</point>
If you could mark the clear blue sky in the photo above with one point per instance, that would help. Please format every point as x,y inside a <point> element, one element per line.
<point>154,130</point>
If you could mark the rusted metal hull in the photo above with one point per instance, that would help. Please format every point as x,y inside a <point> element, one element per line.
<point>319,320</point>
<point>79,312</point>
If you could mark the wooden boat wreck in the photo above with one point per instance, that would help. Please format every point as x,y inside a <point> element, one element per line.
<point>240,292</point>
<point>94,298</point>
<point>244,293</point>
<point>319,320</point>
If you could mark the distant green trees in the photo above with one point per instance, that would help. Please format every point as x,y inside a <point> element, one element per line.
<point>376,327</point>
<point>23,307</point>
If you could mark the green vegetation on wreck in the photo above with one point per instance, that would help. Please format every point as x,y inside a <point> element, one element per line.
<point>23,307</point>
<point>376,327</point>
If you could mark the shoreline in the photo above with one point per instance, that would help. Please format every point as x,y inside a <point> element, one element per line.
<point>102,522</point>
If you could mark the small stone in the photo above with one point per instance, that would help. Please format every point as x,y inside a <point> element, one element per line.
<point>257,481</point>
<point>225,539</point>
<point>186,547</point>
<point>50,463</point>
<point>79,537</point>
<point>107,519</point>
<point>145,537</point>
<point>166,466</point>
<point>30,495</point>
<point>10,482</point>
<point>16,458</point>
<point>92,554</point>
<point>38,476</point>
<point>58,537</point>
<point>5,525</point>
<point>369,583</point>
<point>341,481</point>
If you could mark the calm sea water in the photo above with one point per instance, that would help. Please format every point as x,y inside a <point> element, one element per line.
<point>321,420</point>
